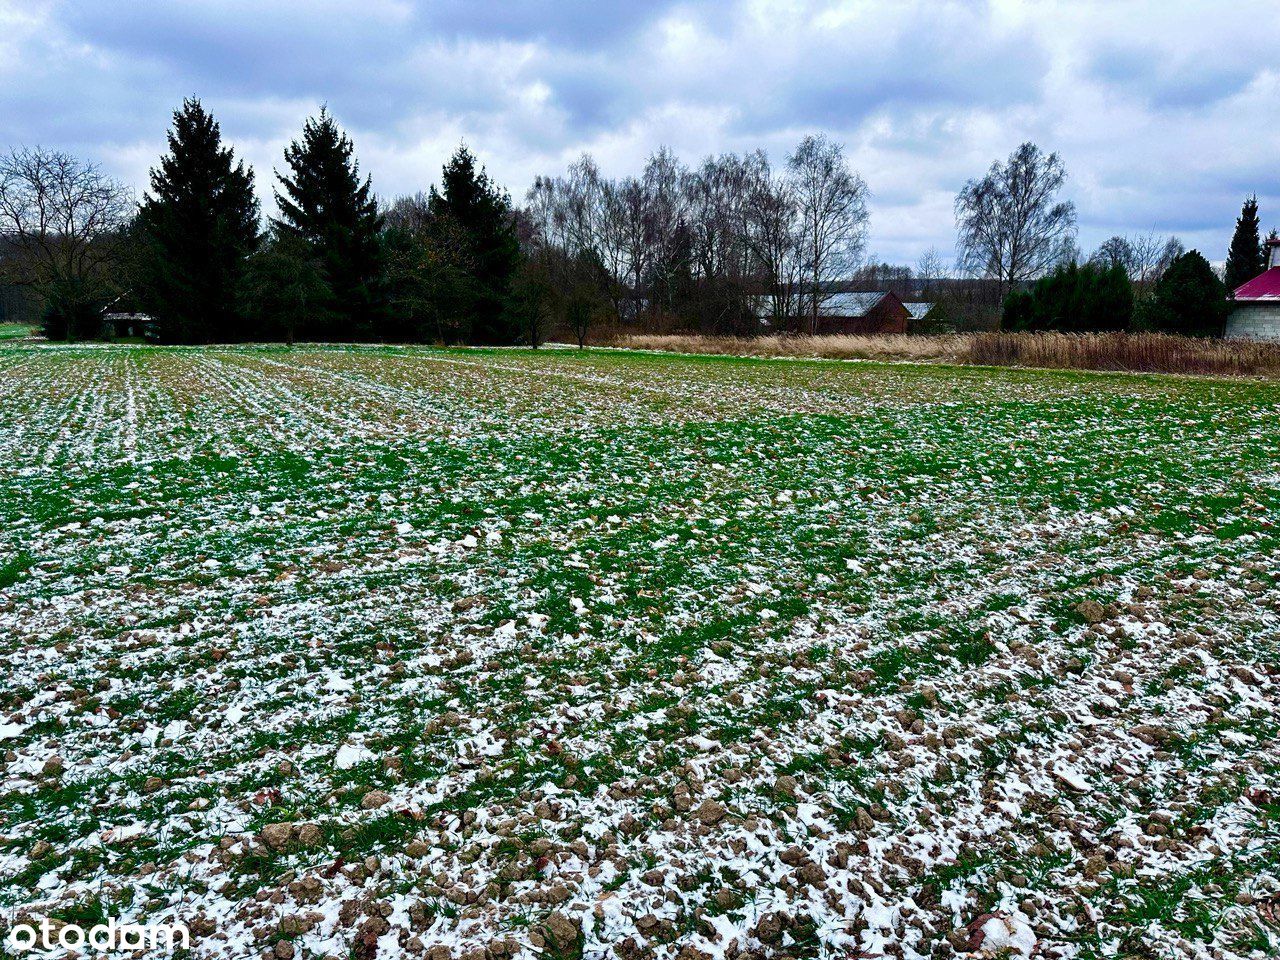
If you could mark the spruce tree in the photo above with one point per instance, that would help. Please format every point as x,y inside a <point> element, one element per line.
<point>480,213</point>
<point>325,204</point>
<point>197,227</point>
<point>1245,258</point>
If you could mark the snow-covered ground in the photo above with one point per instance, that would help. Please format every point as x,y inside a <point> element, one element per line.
<point>386,652</point>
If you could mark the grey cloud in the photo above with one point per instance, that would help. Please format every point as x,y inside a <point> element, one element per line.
<point>1160,109</point>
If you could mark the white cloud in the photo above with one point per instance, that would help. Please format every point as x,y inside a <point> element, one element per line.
<point>1161,110</point>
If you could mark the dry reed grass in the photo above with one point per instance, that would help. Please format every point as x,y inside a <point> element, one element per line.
<point>1138,352</point>
<point>1134,352</point>
<point>835,347</point>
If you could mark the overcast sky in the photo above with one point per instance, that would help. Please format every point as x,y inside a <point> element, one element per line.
<point>1164,112</point>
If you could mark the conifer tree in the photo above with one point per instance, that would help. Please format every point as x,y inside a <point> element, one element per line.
<point>325,204</point>
<point>197,227</point>
<point>1188,299</point>
<point>286,288</point>
<point>1073,299</point>
<point>479,212</point>
<point>1245,258</point>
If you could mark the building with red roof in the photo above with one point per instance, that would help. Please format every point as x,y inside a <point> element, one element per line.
<point>1255,313</point>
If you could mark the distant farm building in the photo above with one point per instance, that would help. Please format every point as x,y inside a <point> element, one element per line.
<point>117,326</point>
<point>859,313</point>
<point>919,310</point>
<point>862,313</point>
<point>1255,313</point>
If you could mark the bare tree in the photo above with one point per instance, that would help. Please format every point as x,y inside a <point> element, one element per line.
<point>716,194</point>
<point>666,228</point>
<point>832,201</point>
<point>581,206</point>
<point>930,268</point>
<point>1067,253</point>
<point>583,301</point>
<point>881,275</point>
<point>1152,256</point>
<point>627,240</point>
<point>571,231</point>
<point>721,262</point>
<point>1116,252</point>
<point>773,236</point>
<point>412,214</point>
<point>1144,257</point>
<point>696,245</point>
<point>63,220</point>
<point>1012,228</point>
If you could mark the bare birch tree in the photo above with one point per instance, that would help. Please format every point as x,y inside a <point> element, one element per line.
<point>1012,228</point>
<point>832,202</point>
<point>720,259</point>
<point>666,228</point>
<point>773,234</point>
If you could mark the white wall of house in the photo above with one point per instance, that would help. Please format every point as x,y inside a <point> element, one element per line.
<point>1259,321</point>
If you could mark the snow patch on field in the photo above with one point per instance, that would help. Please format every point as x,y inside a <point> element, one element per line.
<point>386,652</point>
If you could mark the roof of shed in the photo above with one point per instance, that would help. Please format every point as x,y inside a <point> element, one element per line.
<point>850,304</point>
<point>841,305</point>
<point>1265,286</point>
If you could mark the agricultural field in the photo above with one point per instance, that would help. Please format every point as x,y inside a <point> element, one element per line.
<point>383,652</point>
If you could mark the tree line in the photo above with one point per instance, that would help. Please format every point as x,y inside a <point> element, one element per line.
<point>194,255</point>
<point>1015,231</point>
<point>716,247</point>
<point>732,245</point>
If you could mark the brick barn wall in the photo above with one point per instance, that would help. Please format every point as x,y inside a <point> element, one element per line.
<point>890,316</point>
<point>1255,322</point>
<point>886,317</point>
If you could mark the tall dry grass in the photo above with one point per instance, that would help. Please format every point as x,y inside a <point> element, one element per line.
<point>1134,352</point>
<point>1138,352</point>
<point>834,347</point>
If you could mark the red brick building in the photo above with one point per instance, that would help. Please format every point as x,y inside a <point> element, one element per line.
<point>861,313</point>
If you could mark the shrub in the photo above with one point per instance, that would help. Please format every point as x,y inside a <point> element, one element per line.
<point>1189,300</point>
<point>1073,299</point>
